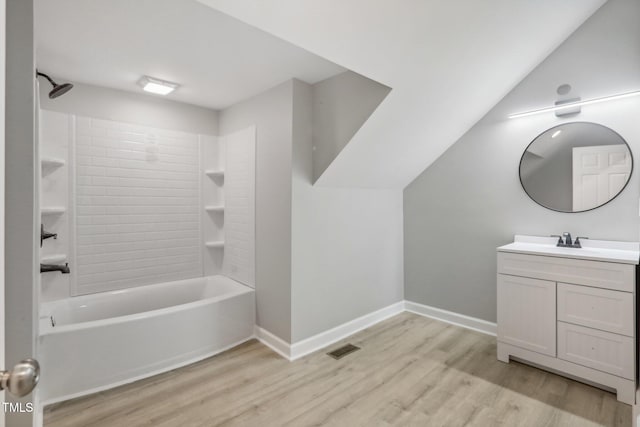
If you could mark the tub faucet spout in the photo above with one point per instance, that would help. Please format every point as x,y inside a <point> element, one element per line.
<point>64,269</point>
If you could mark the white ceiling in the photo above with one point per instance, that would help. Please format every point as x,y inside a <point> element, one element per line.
<point>447,62</point>
<point>217,59</point>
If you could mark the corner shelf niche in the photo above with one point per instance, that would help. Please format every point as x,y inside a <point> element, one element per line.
<point>212,198</point>
<point>53,259</point>
<point>54,210</point>
<point>215,244</point>
<point>218,209</point>
<point>214,173</point>
<point>51,163</point>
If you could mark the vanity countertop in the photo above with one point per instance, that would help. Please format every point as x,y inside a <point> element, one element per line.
<point>595,250</point>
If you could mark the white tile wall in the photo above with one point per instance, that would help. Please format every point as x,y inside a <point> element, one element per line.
<point>135,202</point>
<point>239,188</point>
<point>137,206</point>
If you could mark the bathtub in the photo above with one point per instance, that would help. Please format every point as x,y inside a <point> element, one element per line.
<point>103,340</point>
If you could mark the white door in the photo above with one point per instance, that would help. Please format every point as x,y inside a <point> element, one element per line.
<point>599,173</point>
<point>527,313</point>
<point>19,214</point>
<point>2,97</point>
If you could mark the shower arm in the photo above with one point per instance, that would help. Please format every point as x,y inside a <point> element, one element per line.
<point>38,73</point>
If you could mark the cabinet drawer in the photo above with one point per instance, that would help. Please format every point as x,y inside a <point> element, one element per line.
<point>604,309</point>
<point>608,275</point>
<point>596,349</point>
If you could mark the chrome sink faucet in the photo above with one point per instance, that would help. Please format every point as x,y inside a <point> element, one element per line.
<point>567,242</point>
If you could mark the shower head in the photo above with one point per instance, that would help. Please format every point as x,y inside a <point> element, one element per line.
<point>58,90</point>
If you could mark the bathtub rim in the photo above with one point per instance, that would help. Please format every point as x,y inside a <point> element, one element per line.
<point>52,330</point>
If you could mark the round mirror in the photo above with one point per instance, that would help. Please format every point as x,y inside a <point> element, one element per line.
<point>575,167</point>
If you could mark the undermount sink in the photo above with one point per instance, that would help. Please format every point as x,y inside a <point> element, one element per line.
<point>597,250</point>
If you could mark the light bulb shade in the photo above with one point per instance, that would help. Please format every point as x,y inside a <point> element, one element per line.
<point>570,105</point>
<point>157,86</point>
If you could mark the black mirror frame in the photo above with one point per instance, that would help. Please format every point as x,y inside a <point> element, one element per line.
<point>586,210</point>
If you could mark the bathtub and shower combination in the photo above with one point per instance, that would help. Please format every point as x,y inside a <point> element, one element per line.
<point>153,209</point>
<point>98,341</point>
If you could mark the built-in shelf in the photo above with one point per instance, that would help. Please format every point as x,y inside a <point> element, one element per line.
<point>51,163</point>
<point>214,209</point>
<point>53,259</point>
<point>212,173</point>
<point>57,210</point>
<point>215,244</point>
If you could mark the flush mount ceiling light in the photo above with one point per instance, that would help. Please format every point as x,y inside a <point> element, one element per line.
<point>157,86</point>
<point>570,105</point>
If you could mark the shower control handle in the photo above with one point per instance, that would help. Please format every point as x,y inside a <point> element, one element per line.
<point>22,379</point>
<point>44,235</point>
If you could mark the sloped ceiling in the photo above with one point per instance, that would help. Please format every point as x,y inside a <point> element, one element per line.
<point>447,62</point>
<point>217,59</point>
<point>341,104</point>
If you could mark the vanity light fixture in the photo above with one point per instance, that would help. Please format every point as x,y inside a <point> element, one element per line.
<point>556,133</point>
<point>157,86</point>
<point>569,105</point>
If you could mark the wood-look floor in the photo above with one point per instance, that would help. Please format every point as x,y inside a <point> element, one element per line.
<point>411,371</point>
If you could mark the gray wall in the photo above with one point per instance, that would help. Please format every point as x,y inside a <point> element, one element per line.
<point>118,105</point>
<point>346,242</point>
<point>271,113</point>
<point>20,309</point>
<point>470,201</point>
<point>324,256</point>
<point>341,104</point>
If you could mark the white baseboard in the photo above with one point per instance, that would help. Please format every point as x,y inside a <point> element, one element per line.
<point>324,339</point>
<point>302,348</point>
<point>274,342</point>
<point>457,319</point>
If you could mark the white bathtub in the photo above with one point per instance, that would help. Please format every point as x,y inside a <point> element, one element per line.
<point>103,340</point>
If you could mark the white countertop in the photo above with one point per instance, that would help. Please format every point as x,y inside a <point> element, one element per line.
<point>595,250</point>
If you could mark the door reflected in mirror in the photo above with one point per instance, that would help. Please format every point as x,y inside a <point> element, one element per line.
<point>575,167</point>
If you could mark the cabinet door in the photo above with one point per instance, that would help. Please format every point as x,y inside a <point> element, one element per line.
<point>527,313</point>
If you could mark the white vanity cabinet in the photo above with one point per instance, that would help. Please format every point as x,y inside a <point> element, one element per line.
<point>570,311</point>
